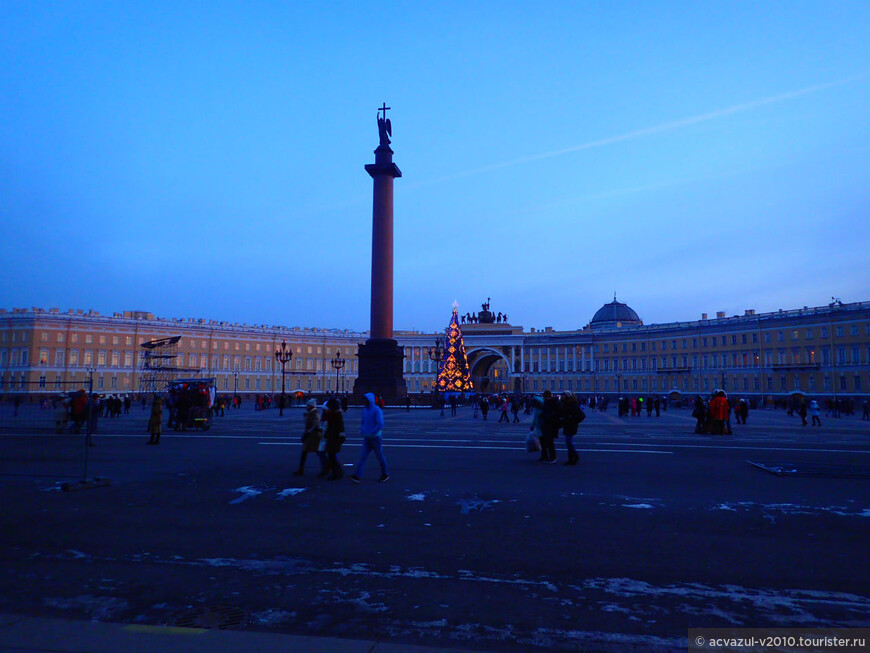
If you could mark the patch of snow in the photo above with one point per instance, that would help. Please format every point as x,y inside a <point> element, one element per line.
<point>467,505</point>
<point>768,509</point>
<point>274,566</point>
<point>430,624</point>
<point>290,492</point>
<point>416,497</point>
<point>247,491</point>
<point>644,506</point>
<point>272,617</point>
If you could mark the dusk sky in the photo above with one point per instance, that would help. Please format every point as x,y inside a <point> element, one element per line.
<point>205,159</point>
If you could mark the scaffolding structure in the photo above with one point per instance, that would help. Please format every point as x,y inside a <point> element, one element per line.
<point>160,364</point>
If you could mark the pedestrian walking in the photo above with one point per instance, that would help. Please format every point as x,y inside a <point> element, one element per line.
<point>334,437</point>
<point>310,436</point>
<point>61,416</point>
<point>741,411</point>
<point>371,429</point>
<point>155,422</point>
<point>719,411</point>
<point>79,410</point>
<point>802,411</point>
<point>700,414</point>
<point>505,406</point>
<point>484,407</point>
<point>815,413</point>
<point>572,415</point>
<point>551,422</point>
<point>536,405</point>
<point>94,407</point>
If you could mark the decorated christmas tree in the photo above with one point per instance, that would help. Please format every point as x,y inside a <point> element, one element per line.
<point>453,374</point>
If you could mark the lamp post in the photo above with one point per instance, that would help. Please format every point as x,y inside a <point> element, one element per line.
<point>235,384</point>
<point>283,356</point>
<point>435,355</point>
<point>337,364</point>
<point>722,377</point>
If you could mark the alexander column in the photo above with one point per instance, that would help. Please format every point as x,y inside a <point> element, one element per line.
<point>380,357</point>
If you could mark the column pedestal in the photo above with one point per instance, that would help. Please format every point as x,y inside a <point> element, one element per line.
<point>380,369</point>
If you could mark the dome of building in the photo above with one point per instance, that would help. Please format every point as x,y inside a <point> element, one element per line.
<point>615,314</point>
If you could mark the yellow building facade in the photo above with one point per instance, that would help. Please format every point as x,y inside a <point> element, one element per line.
<point>822,351</point>
<point>43,351</point>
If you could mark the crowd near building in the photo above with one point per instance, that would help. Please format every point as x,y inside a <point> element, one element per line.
<point>822,351</point>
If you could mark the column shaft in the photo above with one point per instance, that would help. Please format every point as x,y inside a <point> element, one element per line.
<point>382,258</point>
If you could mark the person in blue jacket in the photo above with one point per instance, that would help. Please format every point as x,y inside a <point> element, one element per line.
<point>372,432</point>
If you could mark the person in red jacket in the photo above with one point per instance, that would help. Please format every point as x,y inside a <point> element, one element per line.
<point>719,411</point>
<point>79,410</point>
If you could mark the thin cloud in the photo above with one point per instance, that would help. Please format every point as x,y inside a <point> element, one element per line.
<point>655,129</point>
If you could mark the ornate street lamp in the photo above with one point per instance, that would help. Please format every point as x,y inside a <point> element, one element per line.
<point>283,356</point>
<point>435,355</point>
<point>337,364</point>
<point>722,376</point>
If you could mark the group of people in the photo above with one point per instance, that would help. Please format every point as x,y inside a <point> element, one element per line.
<point>550,414</point>
<point>637,405</point>
<point>714,417</point>
<point>77,410</point>
<point>482,404</point>
<point>324,435</point>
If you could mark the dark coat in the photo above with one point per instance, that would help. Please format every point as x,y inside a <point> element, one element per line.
<point>311,437</point>
<point>334,430</point>
<point>570,415</point>
<point>154,423</point>
<point>551,416</point>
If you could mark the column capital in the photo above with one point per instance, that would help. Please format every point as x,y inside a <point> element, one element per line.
<point>377,169</point>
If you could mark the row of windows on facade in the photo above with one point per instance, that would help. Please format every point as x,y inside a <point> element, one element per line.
<point>88,338</point>
<point>20,357</point>
<point>705,341</point>
<point>845,356</point>
<point>711,341</point>
<point>743,338</point>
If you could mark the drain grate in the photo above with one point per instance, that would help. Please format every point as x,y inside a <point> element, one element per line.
<point>827,470</point>
<point>222,617</point>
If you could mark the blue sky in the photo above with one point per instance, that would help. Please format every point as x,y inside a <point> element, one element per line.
<point>205,159</point>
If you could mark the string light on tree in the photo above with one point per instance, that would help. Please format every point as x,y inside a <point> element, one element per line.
<point>453,374</point>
